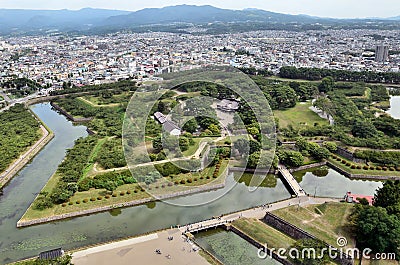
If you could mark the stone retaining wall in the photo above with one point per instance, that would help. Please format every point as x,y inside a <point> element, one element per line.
<point>118,205</point>
<point>69,116</point>
<point>298,233</point>
<point>323,163</point>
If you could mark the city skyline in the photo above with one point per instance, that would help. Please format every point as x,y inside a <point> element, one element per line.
<point>330,8</point>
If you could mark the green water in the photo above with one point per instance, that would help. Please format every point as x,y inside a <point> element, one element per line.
<point>231,249</point>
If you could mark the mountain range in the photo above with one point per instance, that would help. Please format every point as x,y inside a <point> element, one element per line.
<point>20,20</point>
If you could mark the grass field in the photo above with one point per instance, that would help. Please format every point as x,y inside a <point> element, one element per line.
<point>263,233</point>
<point>298,116</point>
<point>327,221</point>
<point>160,188</point>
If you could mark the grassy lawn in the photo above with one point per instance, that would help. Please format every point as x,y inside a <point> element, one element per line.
<point>159,188</point>
<point>263,233</point>
<point>193,148</point>
<point>93,156</point>
<point>327,221</point>
<point>298,116</point>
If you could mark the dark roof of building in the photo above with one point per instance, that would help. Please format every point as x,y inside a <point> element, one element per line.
<point>169,126</point>
<point>51,254</point>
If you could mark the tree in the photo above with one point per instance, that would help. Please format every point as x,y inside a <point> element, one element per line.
<point>190,126</point>
<point>157,144</point>
<point>327,84</point>
<point>364,129</point>
<point>214,129</point>
<point>377,230</point>
<point>388,196</point>
<point>331,146</point>
<point>242,146</point>
<point>183,143</point>
<point>291,158</point>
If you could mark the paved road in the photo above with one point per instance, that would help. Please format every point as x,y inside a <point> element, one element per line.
<point>258,212</point>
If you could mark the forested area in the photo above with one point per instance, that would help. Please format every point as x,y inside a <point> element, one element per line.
<point>124,85</point>
<point>19,130</point>
<point>111,154</point>
<point>69,172</point>
<point>378,227</point>
<point>21,87</point>
<point>314,74</point>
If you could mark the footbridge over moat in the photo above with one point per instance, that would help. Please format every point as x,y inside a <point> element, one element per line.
<point>291,181</point>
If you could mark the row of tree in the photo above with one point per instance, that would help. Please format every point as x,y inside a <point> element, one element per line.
<point>313,74</point>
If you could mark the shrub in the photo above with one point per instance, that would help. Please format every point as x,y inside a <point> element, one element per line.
<point>78,202</point>
<point>64,204</point>
<point>107,196</point>
<point>384,168</point>
<point>189,181</point>
<point>392,169</point>
<point>378,168</point>
<point>114,195</point>
<point>122,193</point>
<point>358,167</point>
<point>365,167</point>
<point>142,190</point>
<point>100,198</point>
<point>92,199</point>
<point>85,200</point>
<point>353,167</point>
<point>170,184</point>
<point>201,177</point>
<point>183,181</point>
<point>163,186</point>
<point>157,187</point>
<point>195,179</point>
<point>135,191</point>
<point>176,182</point>
<point>128,192</point>
<point>348,164</point>
<point>208,177</point>
<point>371,167</point>
<point>70,203</point>
<point>344,162</point>
<point>397,168</point>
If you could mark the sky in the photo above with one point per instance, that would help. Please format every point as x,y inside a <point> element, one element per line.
<point>322,8</point>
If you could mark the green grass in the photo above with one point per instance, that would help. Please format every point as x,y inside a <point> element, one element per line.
<point>298,116</point>
<point>193,148</point>
<point>328,226</point>
<point>94,193</point>
<point>93,156</point>
<point>263,233</point>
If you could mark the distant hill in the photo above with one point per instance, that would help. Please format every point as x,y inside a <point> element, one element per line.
<point>53,19</point>
<point>172,19</point>
<point>201,14</point>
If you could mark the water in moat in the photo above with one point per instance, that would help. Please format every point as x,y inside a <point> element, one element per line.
<point>231,249</point>
<point>77,232</point>
<point>394,109</point>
